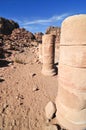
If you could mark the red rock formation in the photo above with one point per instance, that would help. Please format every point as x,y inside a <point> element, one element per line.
<point>6,26</point>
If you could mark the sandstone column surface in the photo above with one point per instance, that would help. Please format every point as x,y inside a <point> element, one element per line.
<point>48,54</point>
<point>40,52</point>
<point>71,96</point>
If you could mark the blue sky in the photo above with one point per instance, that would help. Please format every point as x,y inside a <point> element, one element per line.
<point>37,15</point>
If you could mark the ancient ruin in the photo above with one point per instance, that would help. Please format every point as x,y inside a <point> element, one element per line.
<point>48,54</point>
<point>55,31</point>
<point>40,52</point>
<point>71,97</point>
<point>27,97</point>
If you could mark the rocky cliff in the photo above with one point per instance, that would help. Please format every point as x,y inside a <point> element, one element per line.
<point>6,26</point>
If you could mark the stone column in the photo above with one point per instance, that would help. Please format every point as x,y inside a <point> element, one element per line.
<point>71,97</point>
<point>48,51</point>
<point>40,52</point>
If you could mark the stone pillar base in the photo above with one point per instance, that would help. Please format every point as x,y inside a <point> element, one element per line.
<point>70,119</point>
<point>69,125</point>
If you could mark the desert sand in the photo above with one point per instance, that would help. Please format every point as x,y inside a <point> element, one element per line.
<point>25,91</point>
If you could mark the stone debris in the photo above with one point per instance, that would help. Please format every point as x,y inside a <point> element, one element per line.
<point>50,110</point>
<point>19,39</point>
<point>33,74</point>
<point>35,88</point>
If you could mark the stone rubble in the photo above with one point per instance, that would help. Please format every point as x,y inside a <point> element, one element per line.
<point>7,26</point>
<point>50,110</point>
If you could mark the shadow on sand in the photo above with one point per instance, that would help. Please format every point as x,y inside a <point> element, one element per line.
<point>4,63</point>
<point>1,80</point>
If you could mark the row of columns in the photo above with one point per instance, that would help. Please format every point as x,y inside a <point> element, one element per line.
<point>71,97</point>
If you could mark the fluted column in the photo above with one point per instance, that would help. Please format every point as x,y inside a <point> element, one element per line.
<point>48,54</point>
<point>71,97</point>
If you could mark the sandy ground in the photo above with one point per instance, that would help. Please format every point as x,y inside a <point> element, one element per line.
<point>21,107</point>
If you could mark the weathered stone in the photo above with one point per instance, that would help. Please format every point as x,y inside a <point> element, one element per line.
<point>72,78</point>
<point>77,99</point>
<point>73,56</point>
<point>55,31</point>
<point>48,52</point>
<point>38,37</point>
<point>6,26</point>
<point>50,110</point>
<point>73,30</point>
<point>40,52</point>
<point>71,98</point>
<point>35,88</point>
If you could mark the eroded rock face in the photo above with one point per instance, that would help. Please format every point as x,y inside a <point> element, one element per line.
<point>6,26</point>
<point>38,37</point>
<point>71,98</point>
<point>18,39</point>
<point>21,35</point>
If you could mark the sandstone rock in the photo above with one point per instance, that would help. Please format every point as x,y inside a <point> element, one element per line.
<point>35,88</point>
<point>74,56</point>
<point>19,39</point>
<point>40,52</point>
<point>6,26</point>
<point>71,98</point>
<point>50,110</point>
<point>48,53</point>
<point>54,31</point>
<point>72,78</point>
<point>73,30</point>
<point>38,36</point>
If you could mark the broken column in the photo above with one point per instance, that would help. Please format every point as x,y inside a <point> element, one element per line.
<point>71,97</point>
<point>48,54</point>
<point>40,52</point>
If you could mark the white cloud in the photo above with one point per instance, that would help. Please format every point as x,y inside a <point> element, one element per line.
<point>45,21</point>
<point>40,25</point>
